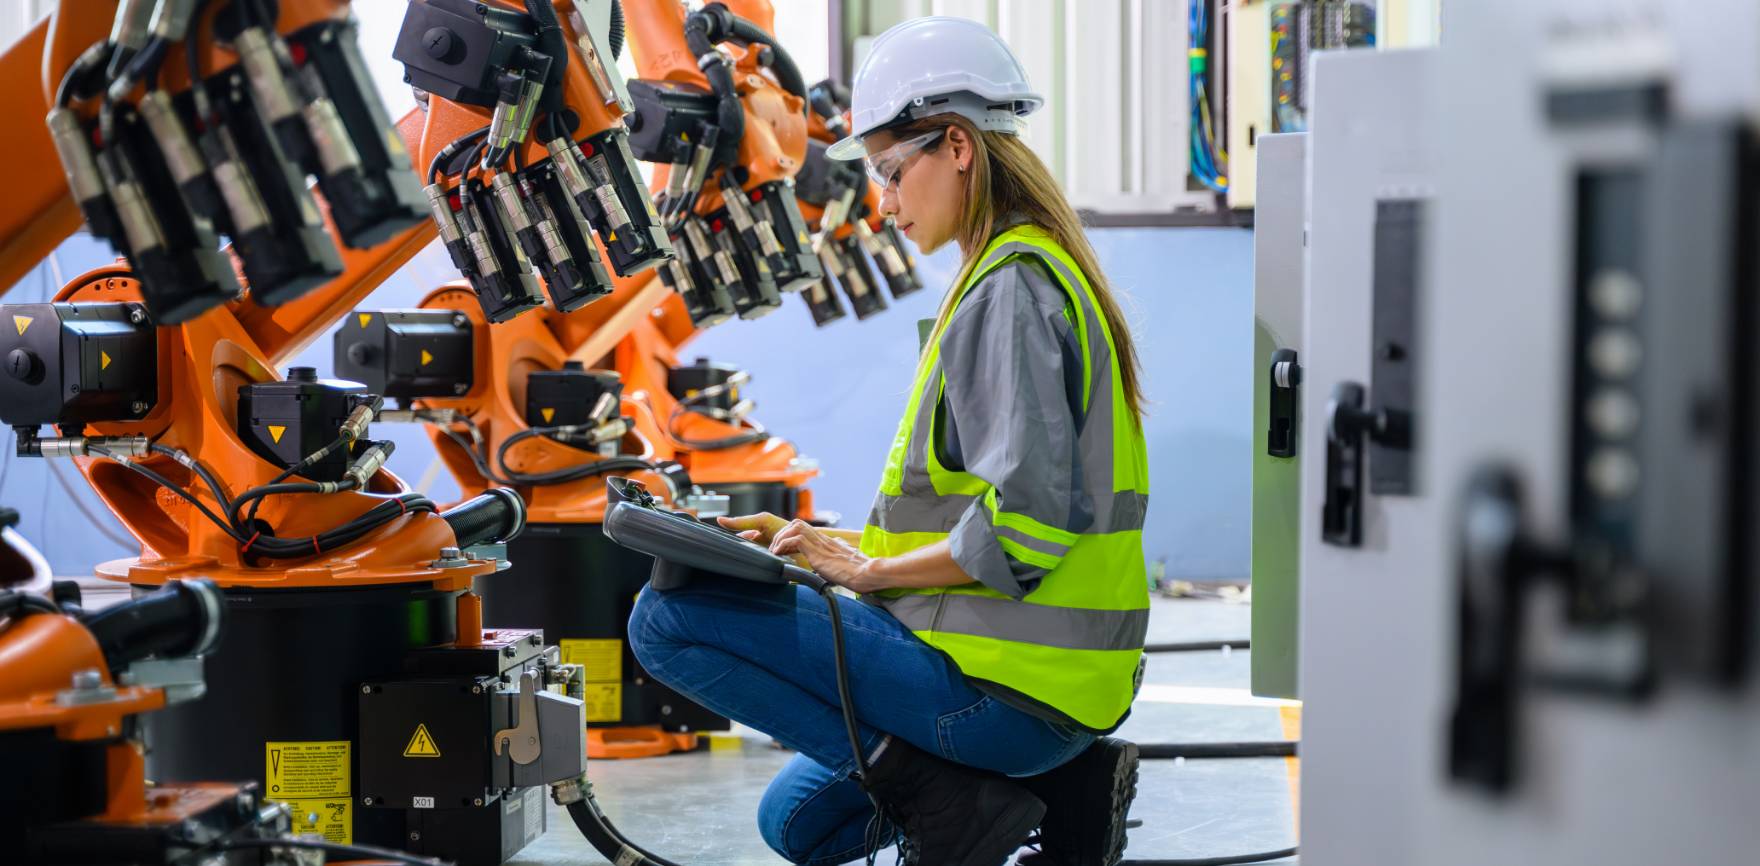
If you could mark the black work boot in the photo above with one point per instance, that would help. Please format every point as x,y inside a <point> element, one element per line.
<point>950,815</point>
<point>1087,802</point>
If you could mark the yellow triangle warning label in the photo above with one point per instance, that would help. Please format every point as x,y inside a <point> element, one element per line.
<point>365,318</point>
<point>548,414</point>
<point>426,357</point>
<point>612,237</point>
<point>103,360</point>
<point>22,322</point>
<point>421,744</point>
<point>275,431</point>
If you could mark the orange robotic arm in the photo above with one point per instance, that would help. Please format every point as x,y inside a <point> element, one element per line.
<point>510,434</point>
<point>180,402</point>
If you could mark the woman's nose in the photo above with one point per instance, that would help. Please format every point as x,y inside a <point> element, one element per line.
<point>889,201</point>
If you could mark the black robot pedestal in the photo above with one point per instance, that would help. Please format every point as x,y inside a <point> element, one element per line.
<point>571,581</point>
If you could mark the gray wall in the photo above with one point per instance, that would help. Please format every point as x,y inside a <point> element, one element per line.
<point>838,393</point>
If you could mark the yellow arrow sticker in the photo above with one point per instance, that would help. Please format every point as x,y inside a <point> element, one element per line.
<point>548,414</point>
<point>103,360</point>
<point>426,357</point>
<point>365,318</point>
<point>275,431</point>
<point>22,322</point>
<point>421,744</point>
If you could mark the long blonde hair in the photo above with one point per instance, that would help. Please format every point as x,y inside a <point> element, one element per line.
<point>1007,178</point>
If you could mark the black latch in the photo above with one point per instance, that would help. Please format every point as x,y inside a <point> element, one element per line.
<point>1498,564</point>
<point>1350,425</point>
<point>1285,398</point>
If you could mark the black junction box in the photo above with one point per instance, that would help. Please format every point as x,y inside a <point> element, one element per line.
<point>406,354</point>
<point>77,363</point>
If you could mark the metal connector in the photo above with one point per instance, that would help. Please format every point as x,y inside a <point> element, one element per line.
<point>356,426</point>
<point>129,31</point>
<point>563,153</point>
<point>244,201</point>
<point>527,110</point>
<point>370,462</point>
<point>139,225</point>
<point>77,160</point>
<point>440,205</point>
<point>181,157</point>
<point>171,19</point>
<point>336,150</point>
<point>80,446</point>
<point>607,404</point>
<point>275,98</point>
<point>610,431</point>
<point>501,125</point>
<point>883,252</point>
<point>837,211</point>
<point>513,207</point>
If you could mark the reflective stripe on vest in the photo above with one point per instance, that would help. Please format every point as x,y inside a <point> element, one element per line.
<point>1074,642</point>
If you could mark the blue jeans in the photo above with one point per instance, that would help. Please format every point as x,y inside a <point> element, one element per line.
<point>761,654</point>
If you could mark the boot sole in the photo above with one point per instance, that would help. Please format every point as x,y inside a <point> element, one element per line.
<point>1012,829</point>
<point>1124,792</point>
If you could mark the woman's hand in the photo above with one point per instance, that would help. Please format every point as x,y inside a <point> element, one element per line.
<point>832,558</point>
<point>760,528</point>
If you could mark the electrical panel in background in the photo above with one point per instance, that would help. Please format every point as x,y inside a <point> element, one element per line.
<point>1268,47</point>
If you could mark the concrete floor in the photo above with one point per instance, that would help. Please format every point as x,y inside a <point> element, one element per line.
<point>699,808</point>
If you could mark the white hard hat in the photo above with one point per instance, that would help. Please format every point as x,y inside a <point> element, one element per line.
<point>937,65</point>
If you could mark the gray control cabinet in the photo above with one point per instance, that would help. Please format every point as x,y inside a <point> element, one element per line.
<point>1367,520</point>
<point>1279,256</point>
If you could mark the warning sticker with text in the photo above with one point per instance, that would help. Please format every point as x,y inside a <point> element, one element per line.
<point>331,818</point>
<point>604,702</point>
<point>313,778</point>
<point>601,660</point>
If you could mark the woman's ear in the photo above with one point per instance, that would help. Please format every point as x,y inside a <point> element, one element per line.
<point>959,146</point>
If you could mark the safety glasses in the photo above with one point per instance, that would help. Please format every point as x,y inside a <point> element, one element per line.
<point>884,167</point>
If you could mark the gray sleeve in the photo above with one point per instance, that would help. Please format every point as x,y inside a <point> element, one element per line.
<point>1013,372</point>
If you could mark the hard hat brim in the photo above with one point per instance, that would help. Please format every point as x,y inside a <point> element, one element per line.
<point>849,148</point>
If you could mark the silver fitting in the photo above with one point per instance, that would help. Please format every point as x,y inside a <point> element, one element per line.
<point>336,151</point>
<point>882,251</point>
<point>370,462</point>
<point>275,98</point>
<point>171,19</point>
<point>513,207</point>
<point>568,169</point>
<point>133,22</point>
<point>501,125</point>
<point>80,446</point>
<point>355,426</point>
<point>239,190</point>
<point>75,150</point>
<point>440,205</point>
<point>181,156</point>
<point>554,247</point>
<point>608,403</point>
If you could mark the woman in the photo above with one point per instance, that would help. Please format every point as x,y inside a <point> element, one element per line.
<point>1002,566</point>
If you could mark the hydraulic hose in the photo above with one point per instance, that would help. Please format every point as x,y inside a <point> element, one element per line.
<point>497,515</point>
<point>605,838</point>
<point>787,73</point>
<point>183,619</point>
<point>702,30</point>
